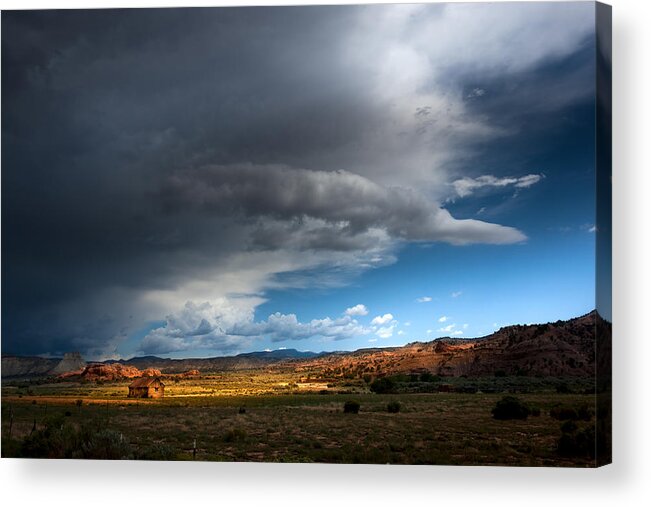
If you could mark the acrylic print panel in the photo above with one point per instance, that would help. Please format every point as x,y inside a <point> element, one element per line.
<point>342,234</point>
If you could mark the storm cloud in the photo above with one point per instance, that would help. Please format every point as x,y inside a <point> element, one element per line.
<point>163,164</point>
<point>349,202</point>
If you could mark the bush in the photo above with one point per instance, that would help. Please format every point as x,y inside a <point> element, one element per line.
<point>585,413</point>
<point>351,407</point>
<point>393,407</point>
<point>510,407</point>
<point>564,413</point>
<point>568,427</point>
<point>106,444</point>
<point>500,373</point>
<point>234,435</point>
<point>382,385</point>
<point>241,410</point>
<point>59,439</point>
<point>428,377</point>
<point>580,443</point>
<point>158,452</point>
<point>563,388</point>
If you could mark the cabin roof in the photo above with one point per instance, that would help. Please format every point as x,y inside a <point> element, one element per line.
<point>145,382</point>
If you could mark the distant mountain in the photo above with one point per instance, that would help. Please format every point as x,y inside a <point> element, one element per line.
<point>281,354</point>
<point>562,348</point>
<point>22,366</point>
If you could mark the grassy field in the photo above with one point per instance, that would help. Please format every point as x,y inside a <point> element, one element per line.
<point>209,419</point>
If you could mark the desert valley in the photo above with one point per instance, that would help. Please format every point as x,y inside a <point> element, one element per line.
<point>525,395</point>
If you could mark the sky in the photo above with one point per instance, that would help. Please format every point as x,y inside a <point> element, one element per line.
<point>201,182</point>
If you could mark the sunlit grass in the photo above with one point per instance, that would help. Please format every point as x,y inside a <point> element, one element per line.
<point>284,420</point>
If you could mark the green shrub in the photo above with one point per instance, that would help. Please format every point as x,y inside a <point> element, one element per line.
<point>564,413</point>
<point>59,439</point>
<point>584,412</point>
<point>351,407</point>
<point>510,407</point>
<point>106,444</point>
<point>568,427</point>
<point>563,388</point>
<point>580,443</point>
<point>428,377</point>
<point>234,435</point>
<point>393,407</point>
<point>382,385</point>
<point>158,452</point>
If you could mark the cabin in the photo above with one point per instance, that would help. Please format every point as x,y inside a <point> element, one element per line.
<point>147,387</point>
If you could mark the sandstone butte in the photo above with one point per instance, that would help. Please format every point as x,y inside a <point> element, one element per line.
<point>117,371</point>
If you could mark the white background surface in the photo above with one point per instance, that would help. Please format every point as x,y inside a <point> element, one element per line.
<point>626,482</point>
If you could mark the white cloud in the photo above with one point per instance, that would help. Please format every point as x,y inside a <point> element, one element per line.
<point>528,180</point>
<point>401,332</point>
<point>424,299</point>
<point>222,325</point>
<point>372,340</point>
<point>408,323</point>
<point>465,326</point>
<point>456,333</point>
<point>466,186</point>
<point>385,331</point>
<point>411,53</point>
<point>443,318</point>
<point>593,229</point>
<point>447,329</point>
<point>382,319</point>
<point>456,294</point>
<point>357,310</point>
<point>430,331</point>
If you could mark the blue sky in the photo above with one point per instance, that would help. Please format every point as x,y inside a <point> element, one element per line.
<point>356,176</point>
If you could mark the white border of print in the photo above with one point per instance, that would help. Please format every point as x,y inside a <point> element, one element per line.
<point>52,483</point>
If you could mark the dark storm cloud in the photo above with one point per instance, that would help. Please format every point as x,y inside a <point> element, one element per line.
<point>142,153</point>
<point>335,197</point>
<point>97,106</point>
